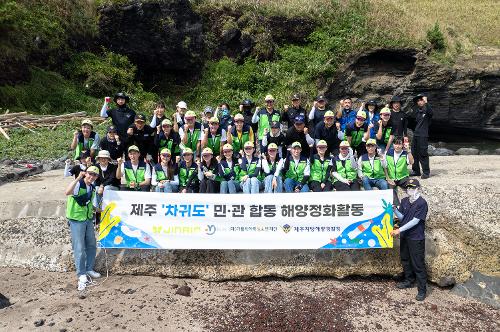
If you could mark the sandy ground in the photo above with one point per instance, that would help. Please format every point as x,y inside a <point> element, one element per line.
<point>139,303</point>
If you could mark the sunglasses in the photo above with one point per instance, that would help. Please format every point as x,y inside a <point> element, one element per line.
<point>92,174</point>
<point>360,119</point>
<point>165,155</point>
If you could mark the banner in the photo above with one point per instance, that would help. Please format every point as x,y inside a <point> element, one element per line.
<point>329,220</point>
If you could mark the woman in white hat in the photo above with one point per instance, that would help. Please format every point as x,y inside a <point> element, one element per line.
<point>107,172</point>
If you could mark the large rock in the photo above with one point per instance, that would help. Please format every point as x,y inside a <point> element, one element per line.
<point>462,235</point>
<point>467,151</point>
<point>160,37</point>
<point>465,97</point>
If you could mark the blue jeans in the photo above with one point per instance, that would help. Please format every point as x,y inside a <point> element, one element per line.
<point>167,188</point>
<point>251,186</point>
<point>229,187</point>
<point>84,245</point>
<point>268,184</point>
<point>368,184</point>
<point>290,185</point>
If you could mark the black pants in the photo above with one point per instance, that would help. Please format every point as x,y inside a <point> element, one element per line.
<point>398,183</point>
<point>208,186</point>
<point>412,254</point>
<point>360,149</point>
<point>124,187</point>
<point>419,148</point>
<point>340,186</point>
<point>316,186</point>
<point>192,188</point>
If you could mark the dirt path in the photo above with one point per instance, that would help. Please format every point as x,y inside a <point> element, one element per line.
<point>139,303</point>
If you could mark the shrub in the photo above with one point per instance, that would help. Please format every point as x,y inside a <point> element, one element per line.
<point>436,38</point>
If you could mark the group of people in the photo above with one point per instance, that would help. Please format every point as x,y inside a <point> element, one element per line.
<point>257,149</point>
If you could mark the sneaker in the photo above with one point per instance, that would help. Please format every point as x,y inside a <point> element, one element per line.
<point>94,274</point>
<point>413,173</point>
<point>404,284</point>
<point>425,176</point>
<point>82,282</point>
<point>420,296</point>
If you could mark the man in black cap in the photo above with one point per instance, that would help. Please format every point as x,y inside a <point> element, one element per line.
<point>412,214</point>
<point>423,115</point>
<point>290,112</point>
<point>398,118</point>
<point>122,116</point>
<point>318,111</point>
<point>112,143</point>
<point>142,135</point>
<point>246,109</point>
<point>299,133</point>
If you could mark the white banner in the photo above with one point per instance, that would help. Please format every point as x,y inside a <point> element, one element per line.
<point>330,220</point>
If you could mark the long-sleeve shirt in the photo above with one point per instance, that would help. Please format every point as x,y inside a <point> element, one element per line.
<point>423,117</point>
<point>292,135</point>
<point>281,167</point>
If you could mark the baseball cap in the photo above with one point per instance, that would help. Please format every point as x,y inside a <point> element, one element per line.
<point>190,114</point>
<point>371,141</point>
<point>227,146</point>
<point>187,151</point>
<point>296,144</point>
<point>239,116</point>
<point>322,143</point>
<point>87,122</point>
<point>93,169</point>
<point>111,129</point>
<point>140,117</point>
<point>207,151</point>
<point>133,148</point>
<point>344,144</point>
<point>385,110</point>
<point>247,144</point>
<point>182,104</point>
<point>269,97</point>
<point>272,146</point>
<point>417,97</point>
<point>166,122</point>
<point>296,96</point>
<point>214,119</point>
<point>361,114</point>
<point>413,183</point>
<point>329,114</point>
<point>299,119</point>
<point>208,109</point>
<point>321,98</point>
<point>275,124</point>
<point>165,150</point>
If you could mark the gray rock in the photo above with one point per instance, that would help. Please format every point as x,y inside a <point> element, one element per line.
<point>497,151</point>
<point>441,152</point>
<point>467,151</point>
<point>481,287</point>
<point>4,301</point>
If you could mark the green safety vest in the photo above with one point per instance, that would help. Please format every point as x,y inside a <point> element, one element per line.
<point>272,169</point>
<point>397,170</point>
<point>75,211</point>
<point>264,121</point>
<point>318,170</point>
<point>214,142</point>
<point>377,172</point>
<point>80,146</point>
<point>137,176</point>
<point>226,170</point>
<point>245,137</point>
<point>160,173</point>
<point>357,136</point>
<point>386,134</point>
<point>185,173</point>
<point>348,172</point>
<point>168,143</point>
<point>246,168</point>
<point>296,172</point>
<point>192,138</point>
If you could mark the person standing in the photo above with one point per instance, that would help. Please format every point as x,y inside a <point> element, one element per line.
<point>327,131</point>
<point>398,160</point>
<point>318,111</point>
<point>399,118</point>
<point>290,112</point>
<point>423,115</point>
<point>412,214</point>
<point>80,211</point>
<point>142,135</point>
<point>122,116</point>
<point>264,117</point>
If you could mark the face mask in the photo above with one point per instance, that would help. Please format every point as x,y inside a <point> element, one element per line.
<point>225,112</point>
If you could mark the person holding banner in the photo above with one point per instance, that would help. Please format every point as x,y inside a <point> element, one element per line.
<point>240,134</point>
<point>135,172</point>
<point>272,183</point>
<point>412,214</point>
<point>371,167</point>
<point>229,170</point>
<point>297,170</point>
<point>250,166</point>
<point>80,208</point>
<point>208,173</point>
<point>164,176</point>
<point>320,172</point>
<point>344,169</point>
<point>398,160</point>
<point>188,173</point>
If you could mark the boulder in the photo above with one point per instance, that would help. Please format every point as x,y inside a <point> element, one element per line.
<point>467,151</point>
<point>440,152</point>
<point>497,151</point>
<point>462,232</point>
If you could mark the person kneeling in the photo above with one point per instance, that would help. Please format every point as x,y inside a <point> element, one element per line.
<point>344,170</point>
<point>208,173</point>
<point>135,172</point>
<point>296,169</point>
